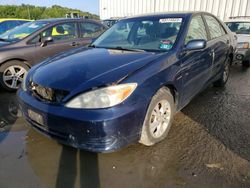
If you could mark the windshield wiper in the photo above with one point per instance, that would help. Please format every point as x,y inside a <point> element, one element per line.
<point>129,49</point>
<point>118,48</point>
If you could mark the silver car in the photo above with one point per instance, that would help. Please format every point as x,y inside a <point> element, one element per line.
<point>241,26</point>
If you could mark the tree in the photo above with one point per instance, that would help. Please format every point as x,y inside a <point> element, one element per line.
<point>37,12</point>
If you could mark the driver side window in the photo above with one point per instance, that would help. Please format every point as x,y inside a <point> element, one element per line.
<point>65,31</point>
<point>196,30</point>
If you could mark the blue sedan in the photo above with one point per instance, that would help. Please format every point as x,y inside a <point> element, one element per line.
<point>127,86</point>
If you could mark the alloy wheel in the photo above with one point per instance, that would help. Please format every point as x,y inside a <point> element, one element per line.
<point>13,76</point>
<point>160,119</point>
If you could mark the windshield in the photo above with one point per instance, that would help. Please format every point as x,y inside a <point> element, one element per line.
<point>22,31</point>
<point>154,34</point>
<point>239,27</point>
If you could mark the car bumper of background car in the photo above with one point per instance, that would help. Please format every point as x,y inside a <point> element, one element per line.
<point>242,54</point>
<point>102,130</point>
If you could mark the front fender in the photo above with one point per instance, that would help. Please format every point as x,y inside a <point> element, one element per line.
<point>162,73</point>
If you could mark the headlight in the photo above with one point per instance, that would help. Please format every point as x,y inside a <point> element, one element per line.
<point>23,85</point>
<point>103,98</point>
<point>243,45</point>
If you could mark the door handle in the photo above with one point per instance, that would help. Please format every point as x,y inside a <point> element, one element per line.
<point>74,44</point>
<point>211,53</point>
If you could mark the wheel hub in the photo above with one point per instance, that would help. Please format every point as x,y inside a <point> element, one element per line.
<point>160,119</point>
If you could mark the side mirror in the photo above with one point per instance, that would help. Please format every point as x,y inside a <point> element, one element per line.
<point>197,44</point>
<point>46,40</point>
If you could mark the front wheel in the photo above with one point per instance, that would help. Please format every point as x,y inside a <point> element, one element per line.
<point>159,118</point>
<point>12,74</point>
<point>224,75</point>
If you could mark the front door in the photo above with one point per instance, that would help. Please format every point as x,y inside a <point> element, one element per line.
<point>65,37</point>
<point>196,65</point>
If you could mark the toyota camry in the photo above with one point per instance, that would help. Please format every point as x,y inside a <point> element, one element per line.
<point>128,84</point>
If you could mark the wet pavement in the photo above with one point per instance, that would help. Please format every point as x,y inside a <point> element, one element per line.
<point>207,146</point>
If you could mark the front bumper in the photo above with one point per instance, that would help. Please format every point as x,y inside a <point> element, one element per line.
<point>102,130</point>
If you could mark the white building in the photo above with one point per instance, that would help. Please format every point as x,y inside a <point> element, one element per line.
<point>221,8</point>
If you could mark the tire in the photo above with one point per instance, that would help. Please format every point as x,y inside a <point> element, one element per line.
<point>246,63</point>
<point>151,135</point>
<point>221,82</point>
<point>12,74</point>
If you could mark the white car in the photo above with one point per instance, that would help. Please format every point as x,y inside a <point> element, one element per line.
<point>241,26</point>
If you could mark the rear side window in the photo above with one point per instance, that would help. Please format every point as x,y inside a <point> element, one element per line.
<point>215,28</point>
<point>90,30</point>
<point>197,29</point>
<point>60,32</point>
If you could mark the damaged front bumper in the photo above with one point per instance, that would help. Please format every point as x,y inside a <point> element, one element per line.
<point>101,130</point>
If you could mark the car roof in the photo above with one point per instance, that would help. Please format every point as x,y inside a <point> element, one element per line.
<point>8,19</point>
<point>52,20</point>
<point>172,14</point>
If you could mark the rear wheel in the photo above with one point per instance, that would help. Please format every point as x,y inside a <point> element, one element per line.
<point>224,75</point>
<point>246,63</point>
<point>159,118</point>
<point>12,74</point>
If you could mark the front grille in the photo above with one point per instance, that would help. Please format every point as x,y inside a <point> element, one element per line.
<point>47,94</point>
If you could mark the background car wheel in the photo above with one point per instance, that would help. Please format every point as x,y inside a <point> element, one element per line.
<point>12,74</point>
<point>246,63</point>
<point>159,118</point>
<point>224,75</point>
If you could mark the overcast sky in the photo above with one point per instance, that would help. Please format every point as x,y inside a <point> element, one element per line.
<point>91,6</point>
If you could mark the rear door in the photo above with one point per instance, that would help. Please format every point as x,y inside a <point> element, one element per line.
<point>90,31</point>
<point>196,65</point>
<point>65,37</point>
<point>219,43</point>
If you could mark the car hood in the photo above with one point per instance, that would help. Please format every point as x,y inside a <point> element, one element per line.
<point>243,38</point>
<point>89,68</point>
